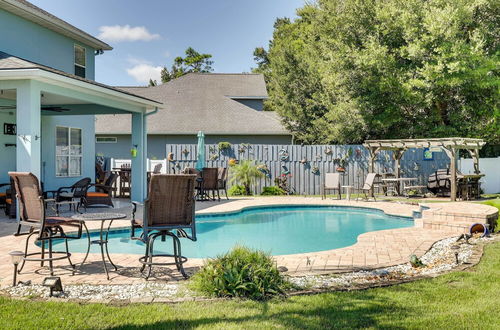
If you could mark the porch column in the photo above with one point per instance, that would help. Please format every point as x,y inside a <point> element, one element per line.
<point>28,121</point>
<point>139,162</point>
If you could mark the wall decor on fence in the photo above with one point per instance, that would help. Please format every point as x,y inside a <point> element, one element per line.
<point>300,161</point>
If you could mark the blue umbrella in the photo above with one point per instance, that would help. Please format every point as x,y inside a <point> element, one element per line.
<point>200,156</point>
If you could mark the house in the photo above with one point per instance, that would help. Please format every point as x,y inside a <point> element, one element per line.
<point>226,107</point>
<point>48,99</point>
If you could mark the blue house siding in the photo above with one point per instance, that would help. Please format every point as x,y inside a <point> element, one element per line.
<point>156,143</point>
<point>7,153</point>
<point>49,123</point>
<point>35,43</point>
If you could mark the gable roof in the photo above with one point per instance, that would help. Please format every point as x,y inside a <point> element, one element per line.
<point>39,16</point>
<point>13,63</point>
<point>205,102</point>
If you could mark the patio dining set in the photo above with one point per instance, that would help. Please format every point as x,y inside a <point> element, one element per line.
<point>169,211</point>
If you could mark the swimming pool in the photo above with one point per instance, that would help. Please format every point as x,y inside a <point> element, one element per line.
<point>280,230</point>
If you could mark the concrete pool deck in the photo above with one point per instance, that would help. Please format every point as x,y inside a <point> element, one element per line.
<point>372,250</point>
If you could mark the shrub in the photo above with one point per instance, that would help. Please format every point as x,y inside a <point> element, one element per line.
<point>245,173</point>
<point>242,272</point>
<point>236,190</point>
<point>272,191</point>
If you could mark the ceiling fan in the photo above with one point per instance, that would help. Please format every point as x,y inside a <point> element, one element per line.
<point>43,108</point>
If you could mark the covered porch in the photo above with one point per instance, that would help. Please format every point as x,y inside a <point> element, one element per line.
<point>48,121</point>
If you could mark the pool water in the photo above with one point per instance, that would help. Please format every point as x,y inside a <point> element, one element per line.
<point>278,230</point>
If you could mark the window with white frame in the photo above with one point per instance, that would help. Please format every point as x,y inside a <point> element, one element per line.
<point>80,61</point>
<point>68,151</point>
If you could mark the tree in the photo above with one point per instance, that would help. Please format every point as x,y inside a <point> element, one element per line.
<point>152,83</point>
<point>349,70</point>
<point>192,62</point>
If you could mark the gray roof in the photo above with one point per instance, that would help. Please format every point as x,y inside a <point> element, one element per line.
<point>41,17</point>
<point>9,62</point>
<point>202,102</point>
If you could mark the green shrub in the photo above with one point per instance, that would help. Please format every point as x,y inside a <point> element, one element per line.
<point>272,191</point>
<point>245,173</point>
<point>237,190</point>
<point>242,272</point>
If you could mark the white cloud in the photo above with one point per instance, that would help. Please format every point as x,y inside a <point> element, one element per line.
<point>143,72</point>
<point>117,33</point>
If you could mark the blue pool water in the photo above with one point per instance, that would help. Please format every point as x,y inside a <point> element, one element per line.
<point>279,230</point>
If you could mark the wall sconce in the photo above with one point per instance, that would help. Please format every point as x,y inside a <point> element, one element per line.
<point>16,257</point>
<point>53,283</point>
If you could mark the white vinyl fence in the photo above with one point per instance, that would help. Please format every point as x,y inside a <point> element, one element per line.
<point>490,167</point>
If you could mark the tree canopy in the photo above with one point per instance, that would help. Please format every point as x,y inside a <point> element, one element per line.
<point>192,62</point>
<point>349,70</point>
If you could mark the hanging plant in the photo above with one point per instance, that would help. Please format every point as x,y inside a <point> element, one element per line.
<point>303,161</point>
<point>224,146</point>
<point>340,169</point>
<point>214,157</point>
<point>241,150</point>
<point>284,155</point>
<point>319,157</point>
<point>264,169</point>
<point>315,170</point>
<point>133,151</point>
<point>416,166</point>
<point>328,151</point>
<point>358,153</point>
<point>232,162</point>
<point>212,149</point>
<point>170,157</point>
<point>185,152</point>
<point>285,171</point>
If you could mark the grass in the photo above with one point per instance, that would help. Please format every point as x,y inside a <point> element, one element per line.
<point>459,300</point>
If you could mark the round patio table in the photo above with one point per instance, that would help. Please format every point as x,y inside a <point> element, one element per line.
<point>103,240</point>
<point>394,184</point>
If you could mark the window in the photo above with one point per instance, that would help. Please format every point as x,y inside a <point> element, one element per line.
<point>68,151</point>
<point>105,139</point>
<point>80,61</point>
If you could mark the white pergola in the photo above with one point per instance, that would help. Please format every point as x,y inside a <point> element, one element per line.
<point>449,145</point>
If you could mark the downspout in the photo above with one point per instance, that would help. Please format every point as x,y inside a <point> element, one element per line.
<point>151,113</point>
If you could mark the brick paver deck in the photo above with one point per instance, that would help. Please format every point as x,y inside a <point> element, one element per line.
<point>372,249</point>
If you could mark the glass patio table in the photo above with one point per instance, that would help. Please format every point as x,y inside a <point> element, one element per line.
<point>394,185</point>
<point>103,235</point>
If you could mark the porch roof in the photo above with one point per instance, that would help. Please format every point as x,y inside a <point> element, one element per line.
<point>12,67</point>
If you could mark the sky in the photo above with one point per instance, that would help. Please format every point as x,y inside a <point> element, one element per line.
<point>148,34</point>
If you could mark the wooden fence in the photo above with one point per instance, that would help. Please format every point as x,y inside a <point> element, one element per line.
<point>305,166</point>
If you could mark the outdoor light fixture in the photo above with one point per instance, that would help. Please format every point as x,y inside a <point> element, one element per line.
<point>16,257</point>
<point>54,283</point>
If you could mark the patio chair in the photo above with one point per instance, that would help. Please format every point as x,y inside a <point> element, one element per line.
<point>65,194</point>
<point>439,182</point>
<point>102,194</point>
<point>222,179</point>
<point>44,229</point>
<point>168,211</point>
<point>332,182</point>
<point>125,180</point>
<point>157,168</point>
<point>3,195</point>
<point>210,177</point>
<point>10,201</point>
<point>369,184</point>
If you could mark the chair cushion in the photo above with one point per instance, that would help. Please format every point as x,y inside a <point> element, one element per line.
<point>96,194</point>
<point>3,194</point>
<point>8,201</point>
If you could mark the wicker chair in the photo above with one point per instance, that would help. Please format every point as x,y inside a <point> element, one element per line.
<point>102,194</point>
<point>45,229</point>
<point>222,179</point>
<point>168,211</point>
<point>332,182</point>
<point>210,177</point>
<point>3,195</point>
<point>10,200</point>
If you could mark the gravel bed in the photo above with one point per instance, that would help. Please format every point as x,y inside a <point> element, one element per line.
<point>101,292</point>
<point>440,258</point>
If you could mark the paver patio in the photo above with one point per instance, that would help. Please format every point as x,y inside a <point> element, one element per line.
<point>372,250</point>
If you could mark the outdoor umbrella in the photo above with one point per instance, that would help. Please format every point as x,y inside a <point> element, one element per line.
<point>200,156</point>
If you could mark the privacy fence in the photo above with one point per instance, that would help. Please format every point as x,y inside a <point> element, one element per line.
<point>303,166</point>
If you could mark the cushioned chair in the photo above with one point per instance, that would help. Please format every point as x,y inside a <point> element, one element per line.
<point>75,191</point>
<point>102,194</point>
<point>44,229</point>
<point>222,179</point>
<point>167,212</point>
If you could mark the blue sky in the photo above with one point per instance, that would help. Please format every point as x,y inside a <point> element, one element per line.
<point>147,34</point>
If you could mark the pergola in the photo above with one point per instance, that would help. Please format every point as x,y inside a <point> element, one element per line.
<point>449,145</point>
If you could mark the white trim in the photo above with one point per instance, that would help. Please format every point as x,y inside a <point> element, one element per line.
<point>78,85</point>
